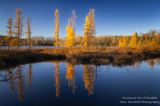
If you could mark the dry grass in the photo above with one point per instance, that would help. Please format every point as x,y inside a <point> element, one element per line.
<point>116,56</point>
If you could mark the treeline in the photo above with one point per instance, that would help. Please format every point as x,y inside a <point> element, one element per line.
<point>150,39</point>
<point>36,41</point>
<point>142,40</point>
<point>88,39</point>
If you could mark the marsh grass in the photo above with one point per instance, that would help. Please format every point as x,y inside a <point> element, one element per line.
<point>116,56</point>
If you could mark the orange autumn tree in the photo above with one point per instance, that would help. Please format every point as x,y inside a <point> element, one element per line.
<point>70,30</point>
<point>123,41</point>
<point>152,43</point>
<point>89,28</point>
<point>134,40</point>
<point>56,28</point>
<point>87,32</point>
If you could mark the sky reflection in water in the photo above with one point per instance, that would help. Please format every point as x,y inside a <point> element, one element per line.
<point>63,83</point>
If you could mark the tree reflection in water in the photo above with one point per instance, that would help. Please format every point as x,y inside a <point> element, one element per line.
<point>20,83</point>
<point>151,63</point>
<point>57,78</point>
<point>30,75</point>
<point>14,77</point>
<point>11,81</point>
<point>88,78</point>
<point>70,76</point>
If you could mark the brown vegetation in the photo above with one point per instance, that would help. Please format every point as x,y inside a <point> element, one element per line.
<point>20,56</point>
<point>116,56</point>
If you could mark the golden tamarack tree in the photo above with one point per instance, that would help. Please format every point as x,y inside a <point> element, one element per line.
<point>70,30</point>
<point>147,40</point>
<point>134,40</point>
<point>89,28</point>
<point>56,28</point>
<point>87,32</point>
<point>123,41</point>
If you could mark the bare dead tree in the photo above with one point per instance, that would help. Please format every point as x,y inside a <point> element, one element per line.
<point>10,31</point>
<point>29,42</point>
<point>18,26</point>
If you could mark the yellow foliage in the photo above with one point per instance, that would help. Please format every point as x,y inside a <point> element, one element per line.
<point>123,42</point>
<point>134,40</point>
<point>87,32</point>
<point>139,45</point>
<point>70,36</point>
<point>152,43</point>
<point>89,28</point>
<point>70,30</point>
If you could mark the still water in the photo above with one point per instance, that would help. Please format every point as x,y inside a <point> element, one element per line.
<point>61,83</point>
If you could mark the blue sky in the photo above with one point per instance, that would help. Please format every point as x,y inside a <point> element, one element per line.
<point>111,16</point>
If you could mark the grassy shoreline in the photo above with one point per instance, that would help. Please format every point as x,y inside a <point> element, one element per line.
<point>10,58</point>
<point>116,56</point>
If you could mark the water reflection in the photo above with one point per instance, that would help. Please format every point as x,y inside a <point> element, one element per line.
<point>70,76</point>
<point>75,77</point>
<point>15,79</point>
<point>11,81</point>
<point>88,78</point>
<point>20,83</point>
<point>57,78</point>
<point>152,63</point>
<point>30,75</point>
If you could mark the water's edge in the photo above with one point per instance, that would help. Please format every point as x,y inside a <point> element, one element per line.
<point>116,57</point>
